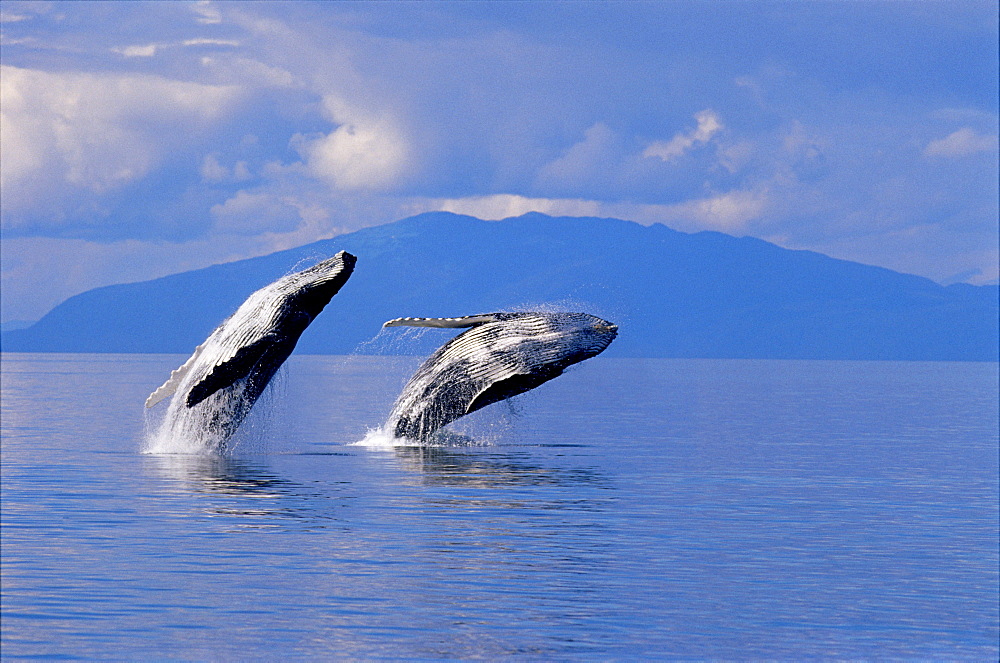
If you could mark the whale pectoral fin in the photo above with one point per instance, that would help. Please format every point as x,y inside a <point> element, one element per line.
<point>514,385</point>
<point>228,372</point>
<point>447,323</point>
<point>170,386</point>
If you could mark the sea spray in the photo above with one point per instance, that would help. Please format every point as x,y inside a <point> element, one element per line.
<point>381,438</point>
<point>483,428</point>
<point>208,428</point>
<point>404,341</point>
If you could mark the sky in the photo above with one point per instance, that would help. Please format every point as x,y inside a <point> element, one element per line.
<point>144,139</point>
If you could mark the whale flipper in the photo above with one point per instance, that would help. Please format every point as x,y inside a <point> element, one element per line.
<point>228,372</point>
<point>240,366</point>
<point>446,323</point>
<point>516,383</point>
<point>170,386</point>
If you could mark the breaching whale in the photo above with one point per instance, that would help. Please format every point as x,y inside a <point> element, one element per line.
<point>214,390</point>
<point>502,355</point>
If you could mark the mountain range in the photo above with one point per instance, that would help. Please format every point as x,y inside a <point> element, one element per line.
<point>673,294</point>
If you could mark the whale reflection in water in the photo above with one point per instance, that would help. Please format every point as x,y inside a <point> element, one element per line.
<point>480,468</point>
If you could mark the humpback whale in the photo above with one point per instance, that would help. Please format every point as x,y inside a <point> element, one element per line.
<point>502,355</point>
<point>214,390</point>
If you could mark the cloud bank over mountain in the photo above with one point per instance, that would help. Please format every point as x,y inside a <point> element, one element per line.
<point>142,139</point>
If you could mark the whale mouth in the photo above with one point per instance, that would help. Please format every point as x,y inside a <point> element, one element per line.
<point>606,327</point>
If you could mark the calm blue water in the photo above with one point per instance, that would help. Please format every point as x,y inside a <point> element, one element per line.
<point>629,509</point>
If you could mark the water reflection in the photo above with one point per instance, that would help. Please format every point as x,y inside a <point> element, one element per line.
<point>240,488</point>
<point>457,466</point>
<point>219,474</point>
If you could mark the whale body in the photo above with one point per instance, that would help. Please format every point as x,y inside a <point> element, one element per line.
<point>214,390</point>
<point>502,355</point>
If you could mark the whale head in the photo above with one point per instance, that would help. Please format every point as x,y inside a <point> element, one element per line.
<point>572,336</point>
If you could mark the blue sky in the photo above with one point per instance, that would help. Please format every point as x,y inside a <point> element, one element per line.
<point>142,139</point>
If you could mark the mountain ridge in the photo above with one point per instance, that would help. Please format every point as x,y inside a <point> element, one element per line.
<point>673,294</point>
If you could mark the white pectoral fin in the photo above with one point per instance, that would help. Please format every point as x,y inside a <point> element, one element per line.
<point>444,323</point>
<point>170,386</point>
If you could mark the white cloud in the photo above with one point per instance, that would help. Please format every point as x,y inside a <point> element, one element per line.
<point>138,51</point>
<point>149,50</point>
<point>504,205</point>
<point>708,125</point>
<point>207,12</point>
<point>252,213</point>
<point>6,17</point>
<point>202,41</point>
<point>211,170</point>
<point>367,151</point>
<point>729,212</point>
<point>732,212</point>
<point>241,172</point>
<point>583,162</point>
<point>735,156</point>
<point>248,71</point>
<point>961,143</point>
<point>93,132</point>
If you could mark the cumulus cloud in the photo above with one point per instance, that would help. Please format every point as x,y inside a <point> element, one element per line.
<point>735,156</point>
<point>504,205</point>
<point>252,213</point>
<point>241,171</point>
<point>708,125</point>
<point>961,143</point>
<point>730,212</point>
<point>94,132</point>
<point>585,163</point>
<point>212,170</point>
<point>248,70</point>
<point>366,151</point>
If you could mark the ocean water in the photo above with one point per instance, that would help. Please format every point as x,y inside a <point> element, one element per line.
<point>630,509</point>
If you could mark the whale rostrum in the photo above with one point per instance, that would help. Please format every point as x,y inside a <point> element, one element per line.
<point>214,390</point>
<point>501,355</point>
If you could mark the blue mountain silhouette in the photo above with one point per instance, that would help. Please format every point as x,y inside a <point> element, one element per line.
<point>673,294</point>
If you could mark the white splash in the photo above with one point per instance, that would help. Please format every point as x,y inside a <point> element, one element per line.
<point>206,429</point>
<point>381,438</point>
